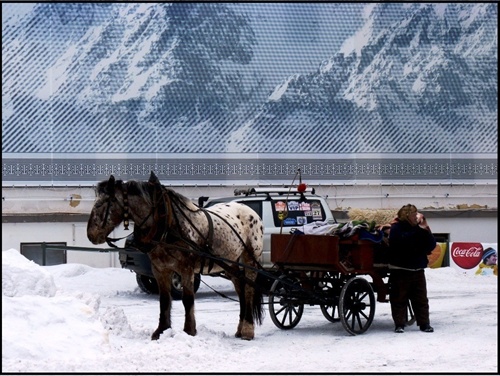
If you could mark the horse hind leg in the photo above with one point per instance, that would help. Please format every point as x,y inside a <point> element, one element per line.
<point>239,288</point>
<point>251,307</point>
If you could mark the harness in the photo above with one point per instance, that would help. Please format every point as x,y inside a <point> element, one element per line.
<point>166,229</point>
<point>126,214</point>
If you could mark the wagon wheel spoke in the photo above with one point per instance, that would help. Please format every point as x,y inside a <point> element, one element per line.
<point>288,317</point>
<point>284,307</point>
<point>357,305</point>
<point>330,312</point>
<point>330,285</point>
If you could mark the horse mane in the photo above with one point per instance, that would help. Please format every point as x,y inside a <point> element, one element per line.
<point>140,188</point>
<point>145,189</point>
<point>101,187</point>
<point>179,197</point>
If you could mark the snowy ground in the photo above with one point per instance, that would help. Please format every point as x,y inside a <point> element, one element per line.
<point>75,318</point>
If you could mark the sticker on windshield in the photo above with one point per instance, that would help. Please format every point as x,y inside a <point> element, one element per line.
<point>305,206</point>
<point>316,211</point>
<point>302,220</point>
<point>279,206</point>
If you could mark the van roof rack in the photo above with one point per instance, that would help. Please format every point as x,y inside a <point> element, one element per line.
<point>269,190</point>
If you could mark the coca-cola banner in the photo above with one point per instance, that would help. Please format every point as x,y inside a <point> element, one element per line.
<point>474,258</point>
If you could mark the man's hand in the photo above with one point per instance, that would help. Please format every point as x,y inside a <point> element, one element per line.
<point>422,222</point>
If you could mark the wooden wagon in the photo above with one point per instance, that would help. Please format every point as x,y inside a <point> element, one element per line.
<point>340,275</point>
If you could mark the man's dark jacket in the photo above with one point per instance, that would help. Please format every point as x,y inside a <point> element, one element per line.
<point>409,245</point>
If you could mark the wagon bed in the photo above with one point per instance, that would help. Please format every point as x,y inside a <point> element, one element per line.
<point>323,251</point>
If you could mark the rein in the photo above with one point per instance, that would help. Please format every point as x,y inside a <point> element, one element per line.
<point>206,251</point>
<point>165,229</point>
<point>126,215</point>
<point>208,243</point>
<point>165,226</point>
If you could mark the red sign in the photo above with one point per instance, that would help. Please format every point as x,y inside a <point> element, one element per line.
<point>467,255</point>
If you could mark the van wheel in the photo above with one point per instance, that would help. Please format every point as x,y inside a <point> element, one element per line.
<point>176,291</point>
<point>147,284</point>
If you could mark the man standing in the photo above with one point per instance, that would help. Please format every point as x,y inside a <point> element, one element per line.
<point>410,242</point>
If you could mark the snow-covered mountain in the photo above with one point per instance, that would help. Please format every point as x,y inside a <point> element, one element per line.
<point>190,78</point>
<point>426,82</point>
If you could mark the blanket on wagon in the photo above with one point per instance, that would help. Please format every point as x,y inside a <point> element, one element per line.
<point>365,230</point>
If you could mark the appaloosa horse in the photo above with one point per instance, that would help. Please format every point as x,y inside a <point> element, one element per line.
<point>181,237</point>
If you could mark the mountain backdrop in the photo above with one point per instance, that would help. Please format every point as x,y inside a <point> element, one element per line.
<point>250,78</point>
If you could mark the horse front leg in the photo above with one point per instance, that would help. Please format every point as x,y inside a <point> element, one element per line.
<point>164,280</point>
<point>188,302</point>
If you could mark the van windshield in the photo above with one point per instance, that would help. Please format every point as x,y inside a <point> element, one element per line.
<point>297,213</point>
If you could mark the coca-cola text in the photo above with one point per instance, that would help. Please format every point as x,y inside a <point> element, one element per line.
<point>467,255</point>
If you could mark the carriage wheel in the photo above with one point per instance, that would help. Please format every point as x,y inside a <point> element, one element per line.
<point>357,305</point>
<point>330,286</point>
<point>285,308</point>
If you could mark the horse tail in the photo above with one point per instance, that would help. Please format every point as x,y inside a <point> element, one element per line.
<point>258,305</point>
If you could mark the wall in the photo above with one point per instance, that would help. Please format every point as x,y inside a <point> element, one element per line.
<point>461,225</point>
<point>79,199</point>
<point>467,229</point>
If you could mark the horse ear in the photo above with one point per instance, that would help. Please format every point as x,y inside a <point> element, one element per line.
<point>111,185</point>
<point>153,179</point>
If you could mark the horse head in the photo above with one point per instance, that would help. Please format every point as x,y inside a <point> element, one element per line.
<point>110,209</point>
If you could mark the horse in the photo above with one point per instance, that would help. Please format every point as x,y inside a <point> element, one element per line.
<point>181,237</point>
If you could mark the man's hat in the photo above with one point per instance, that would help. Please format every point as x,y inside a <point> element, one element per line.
<point>488,252</point>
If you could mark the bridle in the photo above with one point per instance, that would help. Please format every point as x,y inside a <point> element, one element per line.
<point>160,208</point>
<point>126,215</point>
<point>165,223</point>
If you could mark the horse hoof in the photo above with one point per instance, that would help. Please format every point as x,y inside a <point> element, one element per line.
<point>249,335</point>
<point>155,336</point>
<point>238,331</point>
<point>245,337</point>
<point>245,331</point>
